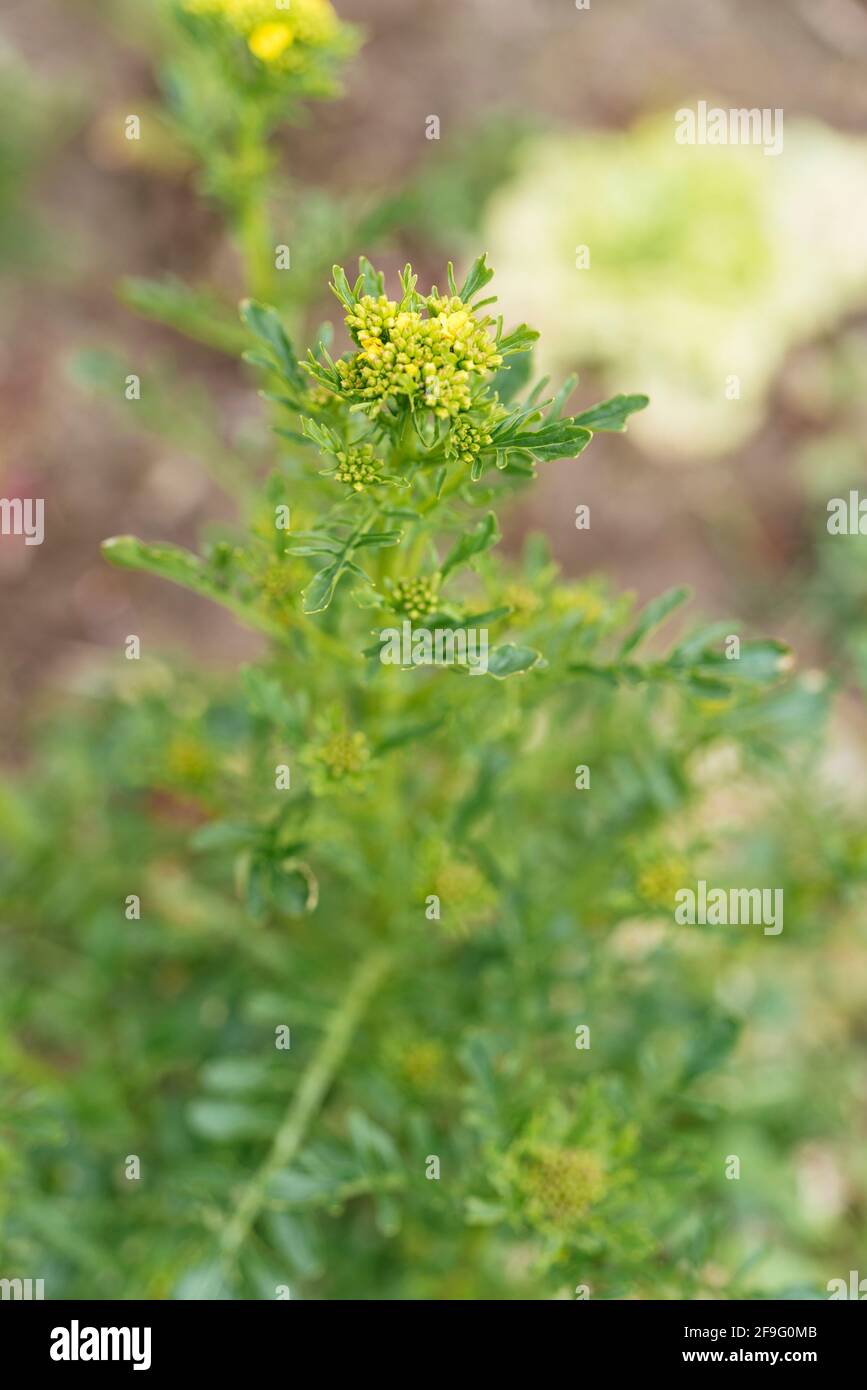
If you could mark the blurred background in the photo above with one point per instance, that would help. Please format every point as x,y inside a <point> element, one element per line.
<point>731,286</point>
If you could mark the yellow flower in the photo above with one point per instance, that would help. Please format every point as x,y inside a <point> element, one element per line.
<point>577,598</point>
<point>273,40</point>
<point>269,41</point>
<point>659,882</point>
<point>422,1063</point>
<point>522,601</point>
<point>188,760</point>
<point>556,1186</point>
<point>429,359</point>
<point>345,755</point>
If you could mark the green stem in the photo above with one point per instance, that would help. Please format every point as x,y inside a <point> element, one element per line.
<point>253,226</point>
<point>306,1102</point>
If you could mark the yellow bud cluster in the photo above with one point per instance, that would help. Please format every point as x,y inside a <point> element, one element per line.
<point>429,360</point>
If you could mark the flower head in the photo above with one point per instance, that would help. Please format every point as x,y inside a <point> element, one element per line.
<point>358,466</point>
<point>426,354</point>
<point>339,758</point>
<point>555,1186</point>
<point>659,882</point>
<point>344,755</point>
<point>467,438</point>
<point>284,40</point>
<point>415,598</point>
<point>268,42</point>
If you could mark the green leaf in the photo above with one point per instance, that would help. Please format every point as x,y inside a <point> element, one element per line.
<point>611,414</point>
<point>203,1283</point>
<point>521,339</point>
<point>226,1120</point>
<point>512,377</point>
<point>378,539</point>
<point>694,646</point>
<point>372,1144</point>
<point>374,280</point>
<point>482,537</point>
<point>480,275</point>
<point>298,1188</point>
<point>409,734</point>
<point>653,615</point>
<point>558,440</point>
<point>510,660</point>
<point>759,662</point>
<point>170,562</point>
<point>320,591</point>
<point>224,835</point>
<point>198,314</point>
<point>324,438</point>
<point>556,408</point>
<point>342,288</point>
<point>236,1074</point>
<point>295,1239</point>
<point>265,323</point>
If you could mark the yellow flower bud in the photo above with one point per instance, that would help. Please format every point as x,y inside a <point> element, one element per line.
<point>269,41</point>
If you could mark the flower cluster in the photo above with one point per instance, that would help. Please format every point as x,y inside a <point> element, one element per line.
<point>281,39</point>
<point>470,900</point>
<point>337,758</point>
<point>466,440</point>
<point>344,755</point>
<point>358,466</point>
<point>555,1186</point>
<point>414,598</point>
<point>660,880</point>
<point>427,360</point>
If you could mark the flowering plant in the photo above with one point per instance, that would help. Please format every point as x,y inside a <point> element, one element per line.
<point>397,1005</point>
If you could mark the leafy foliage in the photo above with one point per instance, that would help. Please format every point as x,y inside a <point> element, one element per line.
<point>426,910</point>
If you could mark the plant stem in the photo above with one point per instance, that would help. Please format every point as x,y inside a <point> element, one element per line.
<point>253,226</point>
<point>307,1100</point>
